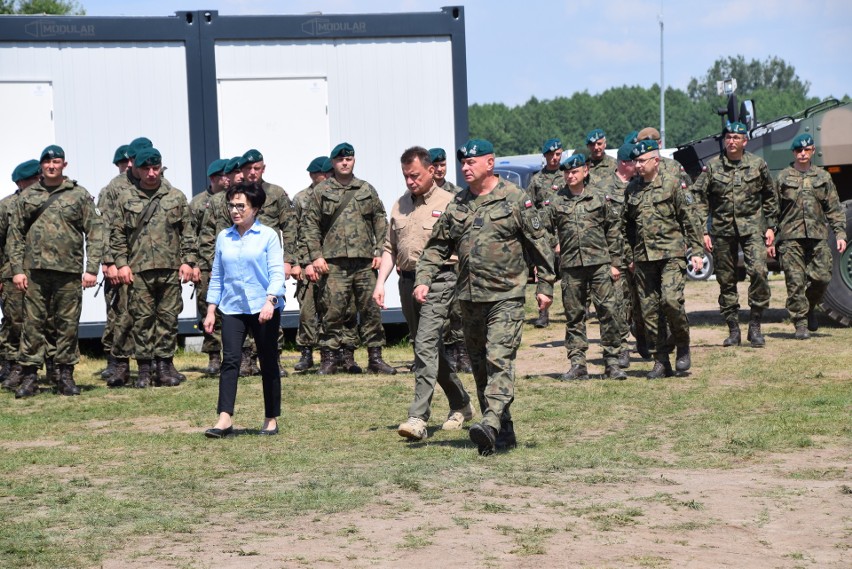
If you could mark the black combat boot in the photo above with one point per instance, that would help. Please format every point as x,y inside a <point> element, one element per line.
<point>802,332</point>
<point>165,376</point>
<point>543,320</point>
<point>734,335</point>
<point>485,438</point>
<point>376,364</point>
<point>121,375</point>
<point>214,363</point>
<point>577,371</point>
<point>346,360</point>
<point>110,368</point>
<point>813,322</point>
<point>66,385</point>
<point>463,364</point>
<point>506,439</point>
<point>328,361</point>
<point>683,360</point>
<point>624,359</point>
<point>306,360</point>
<point>755,336</point>
<point>662,367</point>
<point>13,381</point>
<point>143,379</point>
<point>173,370</point>
<point>29,382</point>
<point>615,372</point>
<point>245,363</point>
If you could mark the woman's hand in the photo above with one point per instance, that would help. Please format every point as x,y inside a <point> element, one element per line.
<point>210,319</point>
<point>266,312</point>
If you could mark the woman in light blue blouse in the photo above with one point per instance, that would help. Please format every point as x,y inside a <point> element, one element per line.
<point>247,287</point>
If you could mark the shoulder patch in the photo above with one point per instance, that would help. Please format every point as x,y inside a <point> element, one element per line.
<point>436,213</point>
<point>528,204</point>
<point>688,197</point>
<point>536,222</point>
<point>683,185</point>
<point>546,202</point>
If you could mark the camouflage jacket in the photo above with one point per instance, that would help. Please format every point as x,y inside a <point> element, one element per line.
<point>613,188</point>
<point>657,221</point>
<point>543,186</point>
<point>299,208</point>
<point>602,167</point>
<point>490,234</point>
<point>107,206</point>
<point>809,205</point>
<point>8,208</point>
<point>200,207</point>
<point>450,187</point>
<point>586,227</point>
<point>167,240</point>
<point>359,231</point>
<point>57,239</point>
<point>739,196</point>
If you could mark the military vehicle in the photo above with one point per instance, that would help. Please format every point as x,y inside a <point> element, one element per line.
<point>830,123</point>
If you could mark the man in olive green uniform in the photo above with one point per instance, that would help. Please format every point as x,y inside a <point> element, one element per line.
<point>590,248</point>
<point>412,219</point>
<point>658,226</point>
<point>344,229</point>
<point>809,205</point>
<point>439,161</point>
<point>24,175</point>
<point>154,248</point>
<point>737,192</point>
<point>490,226</point>
<point>600,163</point>
<point>56,224</point>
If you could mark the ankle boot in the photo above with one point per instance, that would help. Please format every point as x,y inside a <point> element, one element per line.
<point>755,336</point>
<point>306,360</point>
<point>29,382</point>
<point>173,370</point>
<point>66,385</point>
<point>463,364</point>
<point>662,367</point>
<point>121,375</point>
<point>346,360</point>
<point>143,379</point>
<point>683,359</point>
<point>543,320</point>
<point>734,336</point>
<point>328,361</point>
<point>214,363</point>
<point>376,364</point>
<point>110,368</point>
<point>165,376</point>
<point>13,380</point>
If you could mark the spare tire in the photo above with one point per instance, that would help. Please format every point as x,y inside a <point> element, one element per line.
<point>837,301</point>
<point>705,272</point>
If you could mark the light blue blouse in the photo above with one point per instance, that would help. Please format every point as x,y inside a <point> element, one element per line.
<point>246,269</point>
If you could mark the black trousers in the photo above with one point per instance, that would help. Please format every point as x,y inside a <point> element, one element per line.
<point>235,327</point>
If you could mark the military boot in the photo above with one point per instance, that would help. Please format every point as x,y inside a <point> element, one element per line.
<point>173,370</point>
<point>165,376</point>
<point>734,335</point>
<point>109,371</point>
<point>662,367</point>
<point>245,363</point>
<point>813,322</point>
<point>485,437</point>
<point>624,359</point>
<point>121,375</point>
<point>255,367</point>
<point>143,378</point>
<point>463,363</point>
<point>577,371</point>
<point>802,331</point>
<point>755,336</point>
<point>13,381</point>
<point>683,360</point>
<point>543,320</point>
<point>506,437</point>
<point>66,385</point>
<point>306,359</point>
<point>615,372</point>
<point>214,363</point>
<point>328,361</point>
<point>5,369</point>
<point>346,360</point>
<point>376,364</point>
<point>29,382</point>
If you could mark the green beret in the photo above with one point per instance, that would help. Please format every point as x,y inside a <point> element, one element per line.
<point>121,154</point>
<point>328,165</point>
<point>632,138</point>
<point>234,163</point>
<point>342,149</point>
<point>644,147</point>
<point>595,136</point>
<point>624,151</point>
<point>52,152</point>
<point>315,166</point>
<point>572,162</point>
<point>437,155</point>
<point>736,128</point>
<point>551,145</point>
<point>25,170</point>
<point>473,148</point>
<point>148,157</point>
<point>802,141</point>
<point>137,145</point>
<point>217,167</point>
<point>252,156</point>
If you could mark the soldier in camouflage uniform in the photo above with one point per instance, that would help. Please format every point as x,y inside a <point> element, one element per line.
<point>154,249</point>
<point>344,229</point>
<point>737,192</point>
<point>490,226</point>
<point>658,227</point>
<point>24,175</point>
<point>590,247</point>
<point>809,205</point>
<point>439,161</point>
<point>56,224</point>
<point>600,163</point>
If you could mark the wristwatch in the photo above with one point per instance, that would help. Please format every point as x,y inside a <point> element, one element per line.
<point>273,299</point>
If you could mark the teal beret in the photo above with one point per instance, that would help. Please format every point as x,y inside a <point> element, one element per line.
<point>52,152</point>
<point>551,145</point>
<point>25,170</point>
<point>573,161</point>
<point>217,167</point>
<point>121,154</point>
<point>632,138</point>
<point>644,147</point>
<point>148,157</point>
<point>342,149</point>
<point>252,156</point>
<point>437,155</point>
<point>736,128</point>
<point>802,141</point>
<point>316,164</point>
<point>624,151</point>
<point>595,136</point>
<point>473,148</point>
<point>327,166</point>
<point>137,145</point>
<point>234,163</point>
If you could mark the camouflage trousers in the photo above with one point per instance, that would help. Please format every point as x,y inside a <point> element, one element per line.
<point>807,272</point>
<point>492,333</point>
<point>155,302</point>
<point>725,258</point>
<point>212,343</point>
<point>118,333</point>
<point>660,285</point>
<point>309,317</point>
<point>13,321</point>
<point>349,279</point>
<point>427,323</point>
<point>52,304</point>
<point>630,311</point>
<point>606,296</point>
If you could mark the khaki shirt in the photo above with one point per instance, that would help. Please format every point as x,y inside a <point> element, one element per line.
<point>411,222</point>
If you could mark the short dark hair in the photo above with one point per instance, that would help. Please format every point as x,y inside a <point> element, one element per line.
<point>253,192</point>
<point>415,153</point>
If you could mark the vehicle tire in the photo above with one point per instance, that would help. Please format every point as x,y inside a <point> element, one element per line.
<point>705,272</point>
<point>837,301</point>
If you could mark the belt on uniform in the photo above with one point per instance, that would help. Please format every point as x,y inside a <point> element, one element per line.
<point>411,274</point>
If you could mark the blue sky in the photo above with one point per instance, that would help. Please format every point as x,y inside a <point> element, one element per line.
<point>550,49</point>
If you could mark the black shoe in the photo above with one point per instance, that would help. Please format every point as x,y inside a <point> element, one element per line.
<point>624,359</point>
<point>662,368</point>
<point>506,437</point>
<point>215,433</point>
<point>813,322</point>
<point>306,359</point>
<point>802,332</point>
<point>376,364</point>
<point>755,336</point>
<point>485,438</point>
<point>615,372</point>
<point>268,432</point>
<point>734,335</point>
<point>683,361</point>
<point>543,320</point>
<point>577,371</point>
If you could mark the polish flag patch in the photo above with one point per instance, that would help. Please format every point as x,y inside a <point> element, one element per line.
<point>436,213</point>
<point>528,203</point>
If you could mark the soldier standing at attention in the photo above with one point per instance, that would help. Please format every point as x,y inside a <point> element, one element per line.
<point>809,204</point>
<point>154,248</point>
<point>600,163</point>
<point>590,248</point>
<point>489,226</point>
<point>200,208</point>
<point>737,192</point>
<point>412,218</point>
<point>658,227</point>
<point>344,226</point>
<point>55,225</point>
<point>439,161</point>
